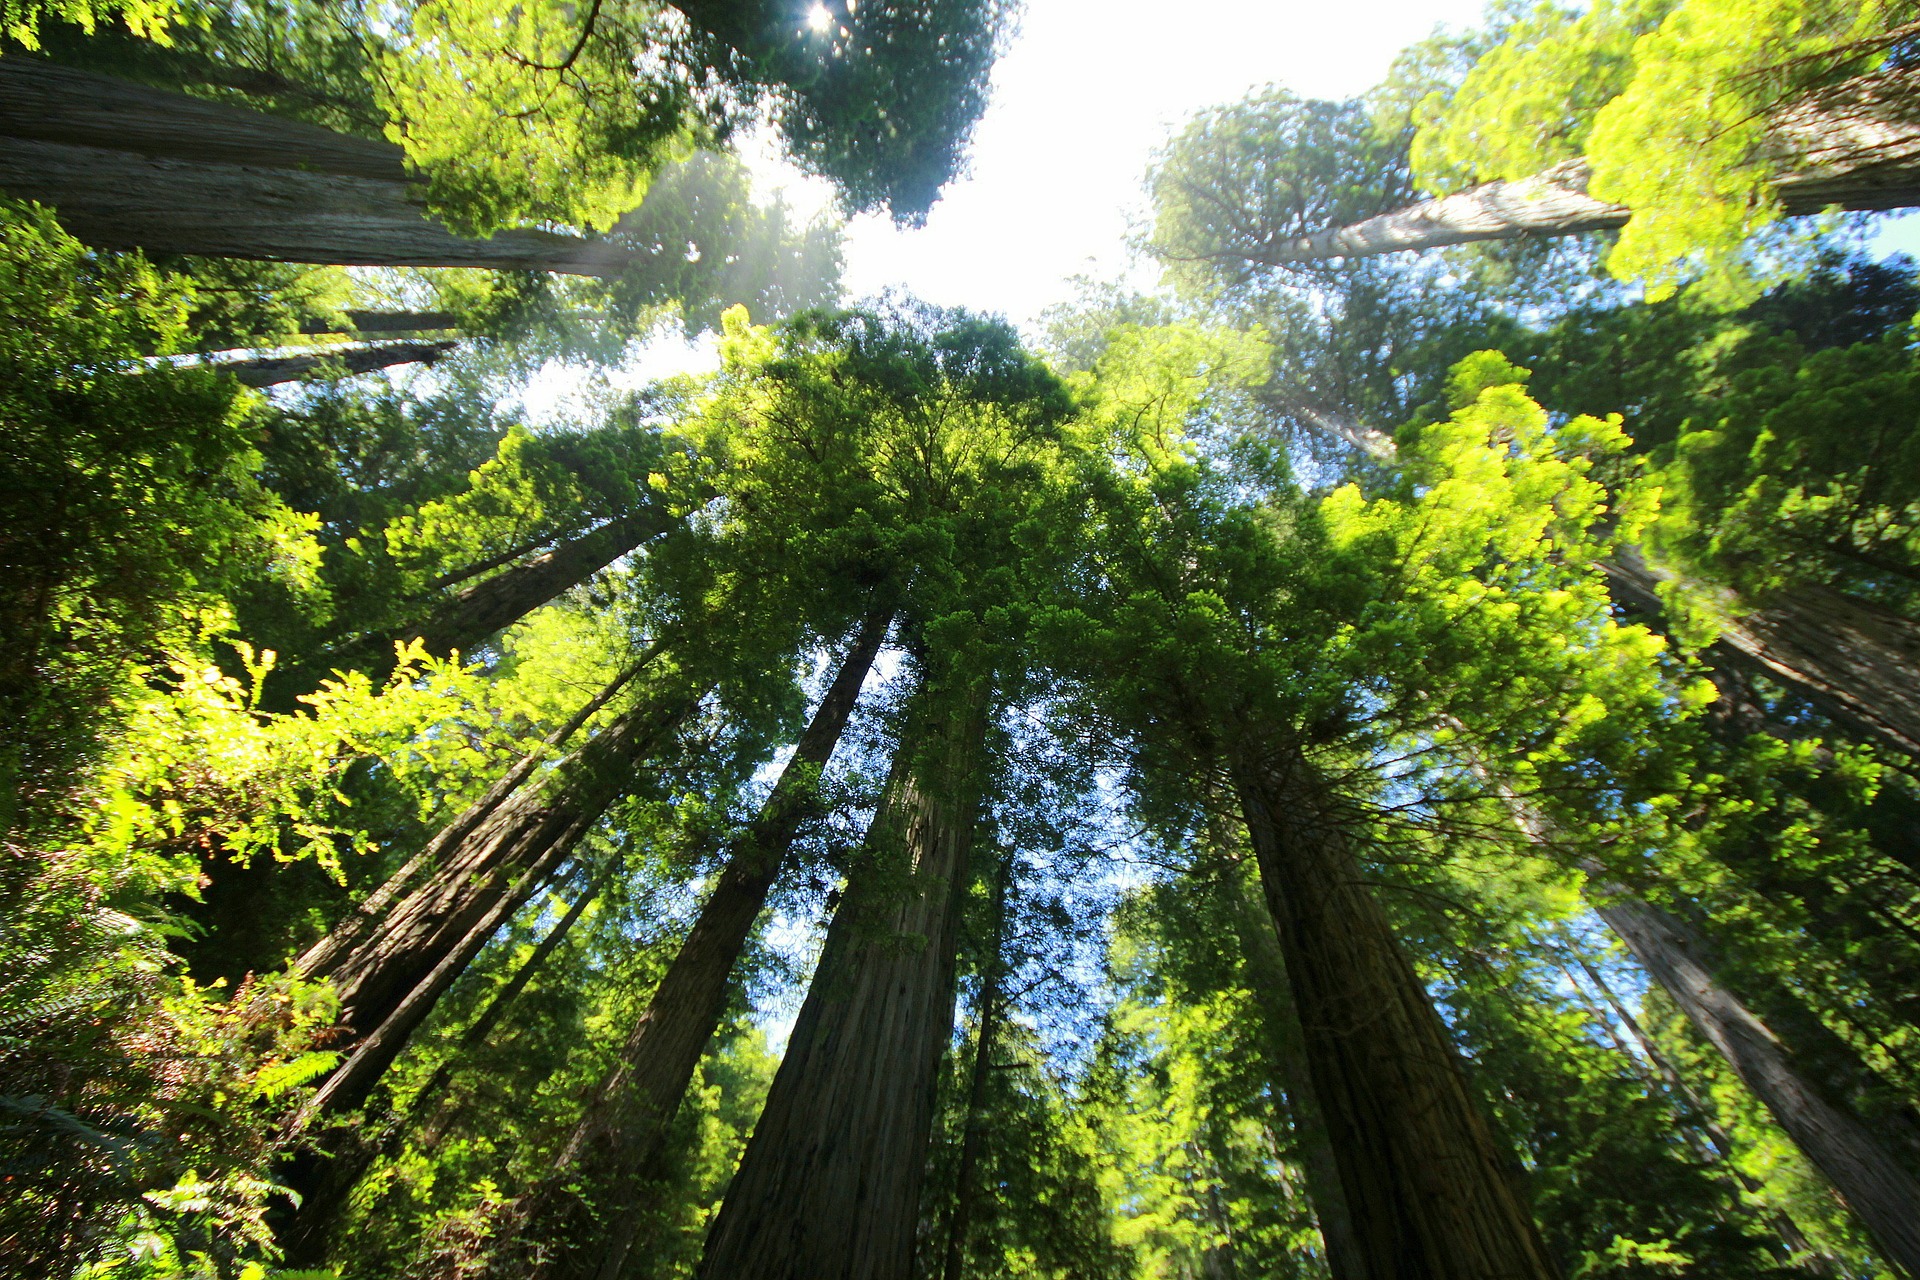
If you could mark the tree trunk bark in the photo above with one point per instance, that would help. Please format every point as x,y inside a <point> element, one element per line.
<point>967,1175</point>
<point>1857,663</point>
<point>308,1234</point>
<point>1855,145</point>
<point>269,371</point>
<point>1425,1183</point>
<point>1346,1260</point>
<point>129,166</point>
<point>619,1143</point>
<point>458,622</point>
<point>485,869</point>
<point>829,1187</point>
<point>1882,1194</point>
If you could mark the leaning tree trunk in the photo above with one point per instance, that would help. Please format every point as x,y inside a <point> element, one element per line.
<point>363,323</point>
<point>270,371</point>
<point>307,1236</point>
<point>458,622</point>
<point>1858,663</point>
<point>1424,1181</point>
<point>1881,1193</point>
<point>1855,145</point>
<point>620,1142</point>
<point>1267,967</point>
<point>535,828</point>
<point>829,1187</point>
<point>128,166</point>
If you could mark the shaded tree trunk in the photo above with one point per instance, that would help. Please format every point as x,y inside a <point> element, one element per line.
<point>966,1182</point>
<point>308,1233</point>
<point>268,371</point>
<point>1857,663</point>
<point>1346,1260</point>
<point>1855,145</point>
<point>458,622</point>
<point>829,1187</point>
<point>1882,1194</point>
<point>619,1145</point>
<point>1425,1183</point>
<point>129,166</point>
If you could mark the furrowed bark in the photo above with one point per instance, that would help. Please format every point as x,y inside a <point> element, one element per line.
<point>1855,146</point>
<point>1425,1184</point>
<point>128,166</point>
<point>829,1187</point>
<point>330,952</point>
<point>269,371</point>
<point>618,1145</point>
<point>1880,1192</point>
<point>483,870</point>
<point>1857,663</point>
<point>308,1235</point>
<point>1268,968</point>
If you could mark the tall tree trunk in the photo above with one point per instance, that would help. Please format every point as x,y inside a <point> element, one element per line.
<point>1425,1183</point>
<point>458,622</point>
<point>1346,1260</point>
<point>1855,145</point>
<point>1881,1193</point>
<point>308,1234</point>
<point>268,371</point>
<point>619,1145</point>
<point>485,869</point>
<point>829,1187</point>
<point>1857,662</point>
<point>966,1182</point>
<point>129,166</point>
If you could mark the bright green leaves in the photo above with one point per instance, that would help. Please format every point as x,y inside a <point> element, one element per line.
<point>20,20</point>
<point>532,111</point>
<point>1673,105</point>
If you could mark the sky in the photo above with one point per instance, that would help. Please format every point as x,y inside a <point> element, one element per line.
<point>1086,92</point>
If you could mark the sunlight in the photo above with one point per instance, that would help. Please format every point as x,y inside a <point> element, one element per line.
<point>820,19</point>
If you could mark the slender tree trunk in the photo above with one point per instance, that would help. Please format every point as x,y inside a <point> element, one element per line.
<point>1855,145</point>
<point>829,1187</point>
<point>268,371</point>
<point>458,622</point>
<point>1881,1193</point>
<point>308,1235</point>
<point>129,166</point>
<point>1346,1260</point>
<point>619,1144</point>
<point>1425,1183</point>
<point>966,1182</point>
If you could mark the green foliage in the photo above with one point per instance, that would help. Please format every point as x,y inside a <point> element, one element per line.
<point>1670,103</point>
<point>20,20</point>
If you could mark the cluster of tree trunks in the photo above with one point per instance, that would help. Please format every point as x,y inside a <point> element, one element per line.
<point>128,166</point>
<point>830,1181</point>
<point>1854,145</point>
<point>618,1147</point>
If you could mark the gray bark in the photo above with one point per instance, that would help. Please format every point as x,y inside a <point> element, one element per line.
<point>1879,1191</point>
<point>130,167</point>
<point>370,322</point>
<point>268,371</point>
<point>829,1187</point>
<point>1855,146</point>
